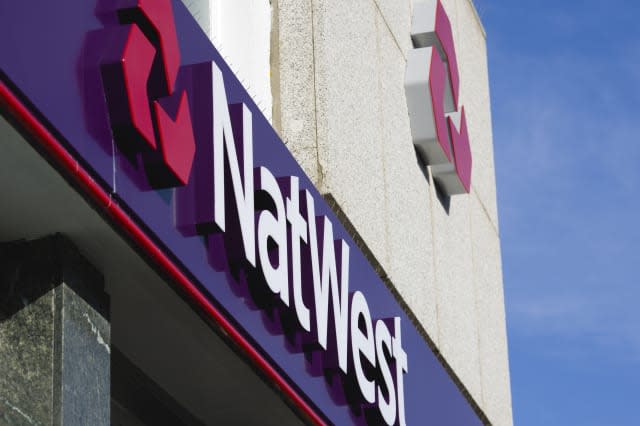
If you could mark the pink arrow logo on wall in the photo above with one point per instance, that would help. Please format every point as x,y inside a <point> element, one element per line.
<point>432,86</point>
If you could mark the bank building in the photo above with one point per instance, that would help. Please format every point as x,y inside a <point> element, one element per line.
<point>248,212</point>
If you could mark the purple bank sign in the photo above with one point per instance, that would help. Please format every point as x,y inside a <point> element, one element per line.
<point>132,101</point>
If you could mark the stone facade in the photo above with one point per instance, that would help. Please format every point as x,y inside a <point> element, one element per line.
<point>339,105</point>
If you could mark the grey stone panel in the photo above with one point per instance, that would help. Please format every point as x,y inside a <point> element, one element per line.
<point>54,336</point>
<point>26,357</point>
<point>84,361</point>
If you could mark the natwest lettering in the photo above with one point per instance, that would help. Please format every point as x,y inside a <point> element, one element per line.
<point>276,235</point>
<point>298,225</point>
<point>297,270</point>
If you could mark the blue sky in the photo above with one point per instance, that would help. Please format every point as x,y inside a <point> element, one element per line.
<point>565,82</point>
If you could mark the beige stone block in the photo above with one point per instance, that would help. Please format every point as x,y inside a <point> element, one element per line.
<point>474,95</point>
<point>396,16</point>
<point>293,81</point>
<point>408,216</point>
<point>348,115</point>
<point>457,315</point>
<point>492,335</point>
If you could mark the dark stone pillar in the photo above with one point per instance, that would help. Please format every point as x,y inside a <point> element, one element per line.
<point>54,336</point>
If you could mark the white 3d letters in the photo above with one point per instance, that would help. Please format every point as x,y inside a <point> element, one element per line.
<point>285,231</point>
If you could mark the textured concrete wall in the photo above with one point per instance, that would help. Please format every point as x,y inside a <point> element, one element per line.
<point>339,104</point>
